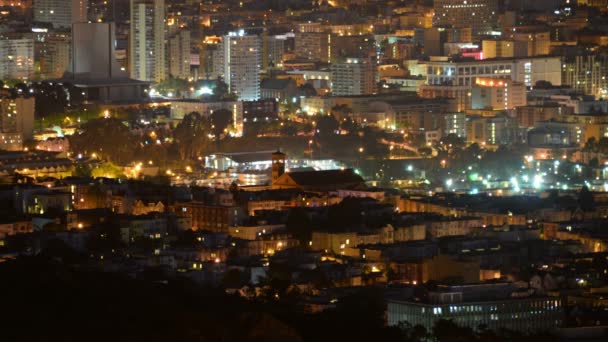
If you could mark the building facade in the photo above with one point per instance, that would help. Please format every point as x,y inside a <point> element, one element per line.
<point>60,13</point>
<point>242,64</point>
<point>179,55</point>
<point>355,76</point>
<point>526,314</point>
<point>17,57</point>
<point>147,40</point>
<point>480,15</point>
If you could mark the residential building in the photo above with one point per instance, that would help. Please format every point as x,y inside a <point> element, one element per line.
<point>17,53</point>
<point>147,40</point>
<point>52,54</point>
<point>214,218</point>
<point>179,55</point>
<point>16,122</point>
<point>60,13</point>
<point>530,115</point>
<point>355,76</point>
<point>242,64</point>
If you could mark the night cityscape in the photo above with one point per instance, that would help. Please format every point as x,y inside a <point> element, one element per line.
<point>304,170</point>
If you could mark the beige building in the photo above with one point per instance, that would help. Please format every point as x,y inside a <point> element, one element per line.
<point>489,93</point>
<point>147,40</point>
<point>16,122</point>
<point>179,55</point>
<point>51,54</point>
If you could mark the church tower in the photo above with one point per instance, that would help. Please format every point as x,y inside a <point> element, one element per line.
<point>278,165</point>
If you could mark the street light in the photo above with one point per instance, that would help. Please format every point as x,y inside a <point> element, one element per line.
<point>310,148</point>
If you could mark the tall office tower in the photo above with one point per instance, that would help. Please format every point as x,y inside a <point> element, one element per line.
<point>93,54</point>
<point>147,40</point>
<point>355,76</point>
<point>179,55</point>
<point>95,69</point>
<point>52,53</point>
<point>480,15</point>
<point>242,64</point>
<point>17,60</point>
<point>60,13</point>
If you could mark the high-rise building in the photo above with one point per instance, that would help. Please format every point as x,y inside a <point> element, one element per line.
<point>60,13</point>
<point>16,57</point>
<point>242,64</point>
<point>52,53</point>
<point>480,15</point>
<point>273,49</point>
<point>94,67</point>
<point>147,40</point>
<point>355,76</point>
<point>211,65</point>
<point>179,55</point>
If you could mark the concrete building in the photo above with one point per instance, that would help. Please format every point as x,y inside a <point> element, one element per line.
<point>586,74</point>
<point>211,58</point>
<point>530,115</point>
<point>180,108</point>
<point>355,76</point>
<point>147,40</point>
<point>489,304</point>
<point>455,123</point>
<point>94,68</point>
<point>480,15</point>
<point>60,13</point>
<point>214,218</point>
<point>52,53</point>
<point>179,55</point>
<point>488,93</point>
<point>242,64</point>
<point>452,78</point>
<point>16,122</point>
<point>502,48</point>
<point>497,130</point>
<point>273,50</point>
<point>17,57</point>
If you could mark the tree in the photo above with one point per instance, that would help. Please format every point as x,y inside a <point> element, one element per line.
<point>107,170</point>
<point>108,138</point>
<point>298,224</point>
<point>448,331</point>
<point>307,90</point>
<point>232,278</point>
<point>326,125</point>
<point>191,135</point>
<point>220,120</point>
<point>585,199</point>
